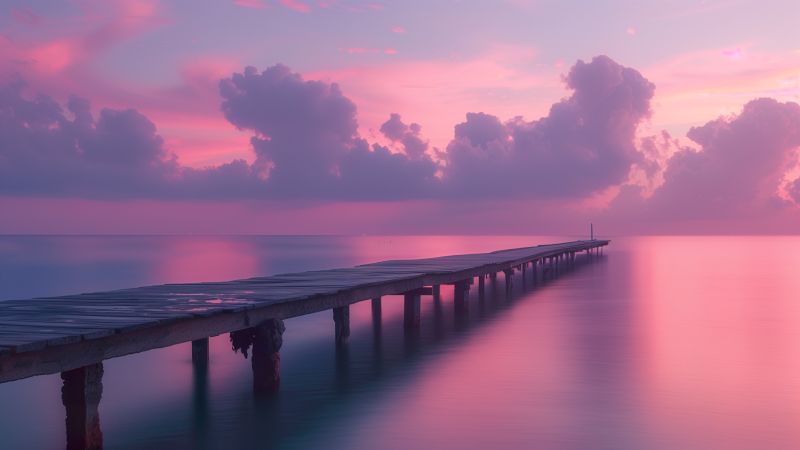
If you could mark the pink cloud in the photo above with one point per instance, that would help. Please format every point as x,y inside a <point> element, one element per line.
<point>255,4</point>
<point>101,26</point>
<point>736,175</point>
<point>306,141</point>
<point>398,29</point>
<point>695,86</point>
<point>307,147</point>
<point>584,145</point>
<point>52,57</point>
<point>296,5</point>
<point>187,112</point>
<point>436,93</point>
<point>736,53</point>
<point>25,16</point>
<point>367,51</point>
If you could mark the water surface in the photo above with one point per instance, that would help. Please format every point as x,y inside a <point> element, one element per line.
<point>666,342</point>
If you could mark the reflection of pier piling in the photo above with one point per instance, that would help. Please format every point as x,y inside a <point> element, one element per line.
<point>56,335</point>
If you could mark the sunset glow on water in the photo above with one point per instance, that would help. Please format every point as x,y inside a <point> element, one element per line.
<point>248,179</point>
<point>665,342</point>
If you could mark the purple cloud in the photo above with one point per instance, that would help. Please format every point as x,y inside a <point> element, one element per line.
<point>307,144</point>
<point>48,151</point>
<point>739,168</point>
<point>407,135</point>
<point>44,152</point>
<point>307,147</point>
<point>305,140</point>
<point>585,144</point>
<point>794,190</point>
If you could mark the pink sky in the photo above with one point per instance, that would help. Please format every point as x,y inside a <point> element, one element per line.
<point>653,132</point>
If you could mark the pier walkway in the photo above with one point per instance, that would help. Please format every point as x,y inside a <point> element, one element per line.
<point>74,334</point>
<point>50,335</point>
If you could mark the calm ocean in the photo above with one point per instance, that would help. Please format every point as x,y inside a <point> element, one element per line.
<point>664,343</point>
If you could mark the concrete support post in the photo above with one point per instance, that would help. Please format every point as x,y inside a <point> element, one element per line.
<point>376,309</point>
<point>80,394</point>
<point>509,273</point>
<point>411,310</point>
<point>341,321</point>
<point>481,287</point>
<point>460,297</point>
<point>266,361</point>
<point>200,353</point>
<point>436,292</point>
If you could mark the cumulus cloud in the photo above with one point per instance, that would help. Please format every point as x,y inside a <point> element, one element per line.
<point>48,150</point>
<point>44,152</point>
<point>585,144</point>
<point>307,144</point>
<point>794,190</point>
<point>407,135</point>
<point>739,168</point>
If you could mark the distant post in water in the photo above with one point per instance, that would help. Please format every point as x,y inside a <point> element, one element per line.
<point>80,394</point>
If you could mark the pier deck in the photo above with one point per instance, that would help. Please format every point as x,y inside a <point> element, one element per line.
<point>58,334</point>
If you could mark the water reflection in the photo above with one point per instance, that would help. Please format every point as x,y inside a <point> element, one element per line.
<point>647,348</point>
<point>369,365</point>
<point>200,408</point>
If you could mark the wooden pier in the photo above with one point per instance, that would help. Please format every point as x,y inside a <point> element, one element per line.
<point>74,334</point>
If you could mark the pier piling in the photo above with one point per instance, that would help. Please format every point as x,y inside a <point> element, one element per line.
<point>78,355</point>
<point>460,297</point>
<point>200,353</point>
<point>266,360</point>
<point>411,310</point>
<point>341,320</point>
<point>80,394</point>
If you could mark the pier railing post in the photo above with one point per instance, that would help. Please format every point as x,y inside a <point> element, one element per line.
<point>411,310</point>
<point>267,342</point>
<point>80,394</point>
<point>341,320</point>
